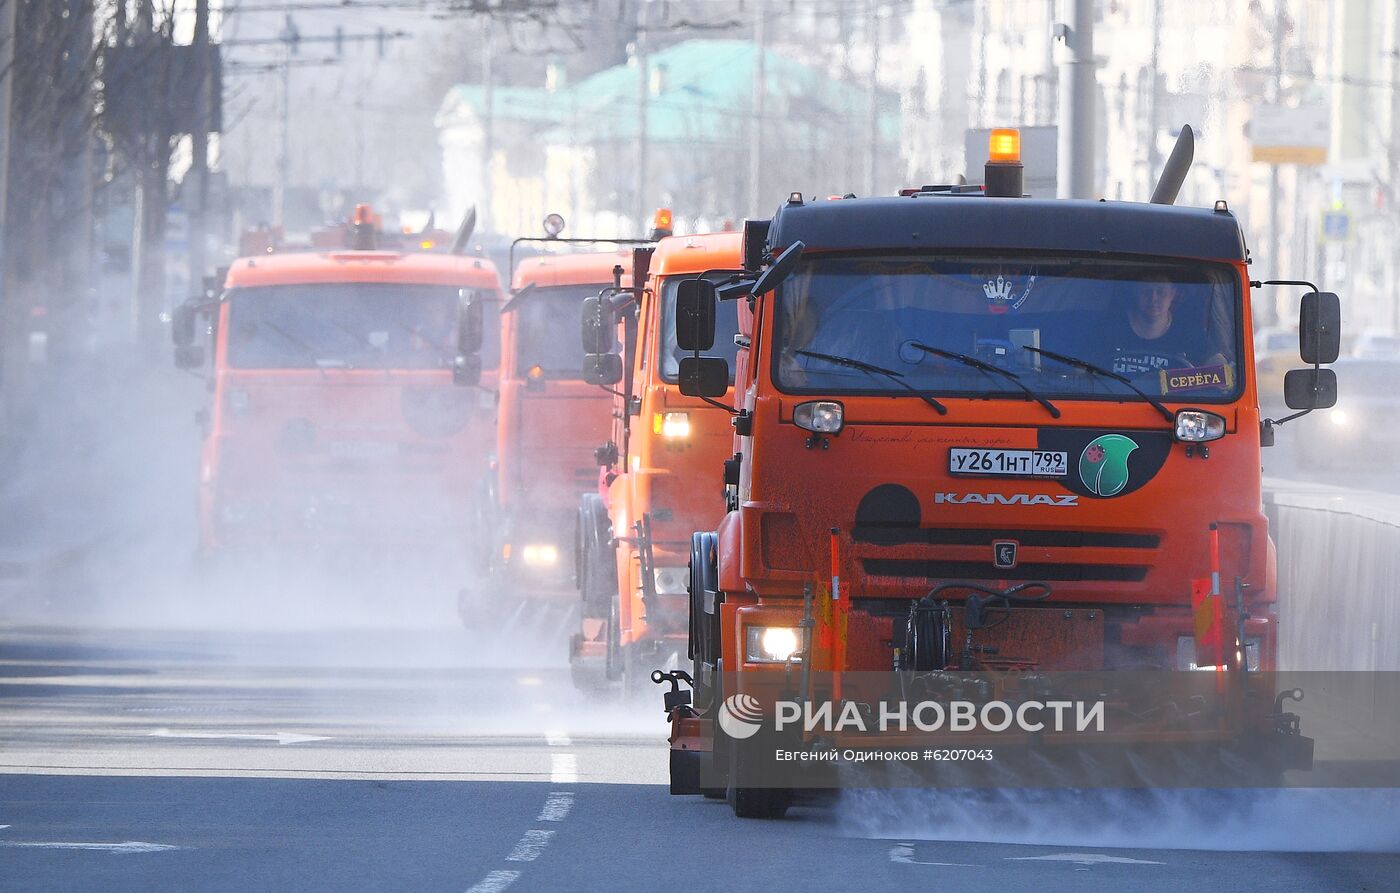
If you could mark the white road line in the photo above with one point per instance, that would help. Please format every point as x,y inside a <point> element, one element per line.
<point>279,737</point>
<point>1085,859</point>
<point>129,846</point>
<point>529,847</point>
<point>494,882</point>
<point>557,807</point>
<point>563,768</point>
<point>557,739</point>
<point>903,853</point>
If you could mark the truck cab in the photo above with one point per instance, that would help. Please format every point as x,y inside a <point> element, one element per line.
<point>337,416</point>
<point>985,434</point>
<point>550,421</point>
<point>662,475</point>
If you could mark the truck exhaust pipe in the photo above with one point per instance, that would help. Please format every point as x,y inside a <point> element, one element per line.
<point>464,232</point>
<point>1174,173</point>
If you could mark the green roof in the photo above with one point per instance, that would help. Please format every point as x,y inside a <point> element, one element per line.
<point>704,94</point>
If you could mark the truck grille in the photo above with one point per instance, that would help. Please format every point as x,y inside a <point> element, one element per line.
<point>899,535</point>
<point>978,570</point>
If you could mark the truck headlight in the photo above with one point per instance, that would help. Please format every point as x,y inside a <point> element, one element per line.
<point>772,644</point>
<point>1195,426</point>
<point>540,554</point>
<point>672,425</point>
<point>672,580</point>
<point>820,416</point>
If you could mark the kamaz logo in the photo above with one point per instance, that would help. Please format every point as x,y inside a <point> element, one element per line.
<point>1003,499</point>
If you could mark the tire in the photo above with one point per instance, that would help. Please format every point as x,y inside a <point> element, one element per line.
<point>751,801</point>
<point>597,559</point>
<point>704,633</point>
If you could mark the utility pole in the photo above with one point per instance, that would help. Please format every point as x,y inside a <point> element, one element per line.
<point>488,125</point>
<point>1393,156</point>
<point>1154,157</point>
<point>289,37</point>
<point>9,341</point>
<point>199,146</point>
<point>760,97</point>
<point>1276,97</point>
<point>1075,174</point>
<point>873,96</point>
<point>643,99</point>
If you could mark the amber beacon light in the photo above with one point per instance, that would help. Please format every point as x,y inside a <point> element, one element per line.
<point>1004,174</point>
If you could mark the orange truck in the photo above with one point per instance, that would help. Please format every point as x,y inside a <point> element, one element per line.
<point>339,412</point>
<point>549,422</point>
<point>661,465</point>
<point>985,440</point>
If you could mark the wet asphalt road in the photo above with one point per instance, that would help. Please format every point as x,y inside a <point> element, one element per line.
<point>430,759</point>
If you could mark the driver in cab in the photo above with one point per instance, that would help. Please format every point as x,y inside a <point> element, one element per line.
<point>1149,337</point>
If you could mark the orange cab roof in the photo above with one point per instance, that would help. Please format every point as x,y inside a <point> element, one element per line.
<point>592,268</point>
<point>409,268</point>
<point>696,254</point>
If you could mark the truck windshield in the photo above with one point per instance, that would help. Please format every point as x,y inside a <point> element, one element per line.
<point>546,330</point>
<point>726,327</point>
<point>1173,329</point>
<point>349,326</point>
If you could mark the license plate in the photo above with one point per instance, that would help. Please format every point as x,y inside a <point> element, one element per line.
<point>1010,463</point>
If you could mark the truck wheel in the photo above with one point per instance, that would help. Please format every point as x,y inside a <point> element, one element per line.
<point>597,561</point>
<point>704,628</point>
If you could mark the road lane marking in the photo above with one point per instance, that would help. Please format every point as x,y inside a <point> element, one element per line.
<point>529,847</point>
<point>556,807</point>
<point>128,846</point>
<point>563,768</point>
<point>1085,859</point>
<point>495,882</point>
<point>557,739</point>
<point>280,737</point>
<point>903,853</point>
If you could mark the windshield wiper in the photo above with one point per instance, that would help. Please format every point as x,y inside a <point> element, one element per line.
<point>305,348</point>
<point>1087,366</point>
<point>989,368</point>
<point>863,366</point>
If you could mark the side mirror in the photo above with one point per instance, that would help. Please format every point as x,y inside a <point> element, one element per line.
<point>695,314</point>
<point>598,325</point>
<point>1320,328</point>
<point>466,370</point>
<point>189,356</point>
<point>182,320</point>
<point>603,368</point>
<point>704,376</point>
<point>470,325</point>
<point>779,270</point>
<point>1310,388</point>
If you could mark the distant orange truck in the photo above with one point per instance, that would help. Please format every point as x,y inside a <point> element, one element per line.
<point>335,417</point>
<point>662,478</point>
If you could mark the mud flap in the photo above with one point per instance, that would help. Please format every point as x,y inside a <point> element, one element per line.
<point>685,771</point>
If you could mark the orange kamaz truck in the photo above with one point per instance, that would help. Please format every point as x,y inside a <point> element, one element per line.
<point>550,421</point>
<point>343,408</point>
<point>662,468</point>
<point>986,446</point>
